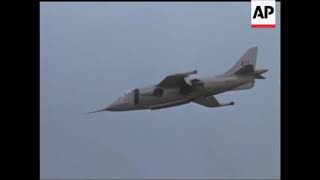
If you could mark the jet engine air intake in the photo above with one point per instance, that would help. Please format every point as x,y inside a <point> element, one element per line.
<point>196,83</point>
<point>158,92</point>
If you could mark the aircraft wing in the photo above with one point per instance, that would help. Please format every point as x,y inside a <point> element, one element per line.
<point>176,79</point>
<point>210,101</point>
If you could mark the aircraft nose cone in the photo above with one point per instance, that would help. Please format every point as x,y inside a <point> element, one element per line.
<point>109,108</point>
<point>112,107</point>
<point>116,106</point>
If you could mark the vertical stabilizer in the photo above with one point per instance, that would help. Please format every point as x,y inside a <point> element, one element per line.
<point>247,62</point>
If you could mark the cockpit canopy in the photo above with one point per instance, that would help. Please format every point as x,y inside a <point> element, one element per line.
<point>151,91</point>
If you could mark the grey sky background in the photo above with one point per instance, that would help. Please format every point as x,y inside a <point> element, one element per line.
<point>91,53</point>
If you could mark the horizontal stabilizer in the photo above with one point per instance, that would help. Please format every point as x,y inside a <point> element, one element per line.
<point>260,77</point>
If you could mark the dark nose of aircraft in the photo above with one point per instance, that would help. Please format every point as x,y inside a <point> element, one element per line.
<point>121,104</point>
<point>111,107</point>
<point>115,106</point>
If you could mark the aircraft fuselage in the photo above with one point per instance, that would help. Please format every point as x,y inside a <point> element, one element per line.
<point>177,89</point>
<point>173,96</point>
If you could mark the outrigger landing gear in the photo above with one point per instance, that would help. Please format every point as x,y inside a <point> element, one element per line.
<point>227,104</point>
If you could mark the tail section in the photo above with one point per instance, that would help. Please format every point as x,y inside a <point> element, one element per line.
<point>246,64</point>
<point>249,85</point>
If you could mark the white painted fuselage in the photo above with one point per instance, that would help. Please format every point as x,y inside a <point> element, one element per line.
<point>172,96</point>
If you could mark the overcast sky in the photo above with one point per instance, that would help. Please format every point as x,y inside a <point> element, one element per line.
<point>91,53</point>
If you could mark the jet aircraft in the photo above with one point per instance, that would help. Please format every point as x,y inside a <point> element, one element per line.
<point>178,89</point>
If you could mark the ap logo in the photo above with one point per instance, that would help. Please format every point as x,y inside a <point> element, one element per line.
<point>263,13</point>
